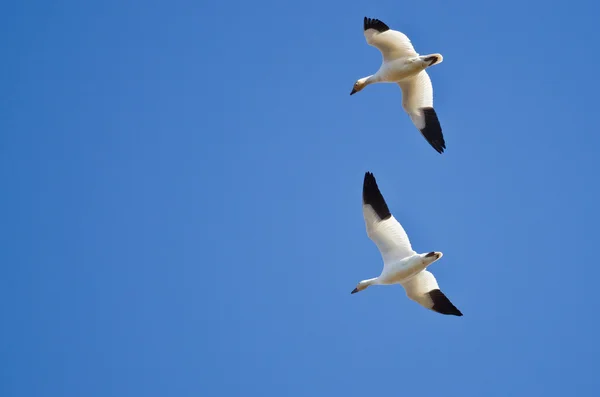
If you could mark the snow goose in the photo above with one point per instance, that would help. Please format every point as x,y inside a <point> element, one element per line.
<point>401,265</point>
<point>404,66</point>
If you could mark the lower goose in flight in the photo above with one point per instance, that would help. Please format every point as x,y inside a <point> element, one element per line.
<point>401,265</point>
<point>404,66</point>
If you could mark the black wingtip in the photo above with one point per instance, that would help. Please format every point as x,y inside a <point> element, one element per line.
<point>373,197</point>
<point>433,130</point>
<point>372,23</point>
<point>442,304</point>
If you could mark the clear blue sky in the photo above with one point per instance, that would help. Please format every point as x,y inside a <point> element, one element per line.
<point>181,200</point>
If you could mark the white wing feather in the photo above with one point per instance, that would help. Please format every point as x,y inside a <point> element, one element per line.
<point>417,93</point>
<point>391,43</point>
<point>388,235</point>
<point>418,287</point>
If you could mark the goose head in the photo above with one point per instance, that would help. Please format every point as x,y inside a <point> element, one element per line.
<point>359,85</point>
<point>364,284</point>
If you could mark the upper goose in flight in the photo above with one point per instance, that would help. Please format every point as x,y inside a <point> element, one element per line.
<point>404,66</point>
<point>401,265</point>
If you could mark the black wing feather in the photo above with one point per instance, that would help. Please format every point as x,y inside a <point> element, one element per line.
<point>373,197</point>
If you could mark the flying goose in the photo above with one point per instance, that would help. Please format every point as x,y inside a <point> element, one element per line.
<point>401,265</point>
<point>404,66</point>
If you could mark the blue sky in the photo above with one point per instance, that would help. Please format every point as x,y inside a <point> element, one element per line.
<point>181,202</point>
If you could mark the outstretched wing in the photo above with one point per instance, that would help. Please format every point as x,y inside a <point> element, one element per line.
<point>391,43</point>
<point>423,289</point>
<point>385,231</point>
<point>417,101</point>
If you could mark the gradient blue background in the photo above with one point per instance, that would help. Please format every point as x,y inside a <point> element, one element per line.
<point>181,200</point>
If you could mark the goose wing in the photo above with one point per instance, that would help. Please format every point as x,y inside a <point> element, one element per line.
<point>417,101</point>
<point>391,43</point>
<point>423,289</point>
<point>385,231</point>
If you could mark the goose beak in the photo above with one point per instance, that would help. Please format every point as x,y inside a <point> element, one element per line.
<point>353,91</point>
<point>355,290</point>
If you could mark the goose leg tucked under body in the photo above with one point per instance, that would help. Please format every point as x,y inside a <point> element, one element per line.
<point>404,66</point>
<point>401,265</point>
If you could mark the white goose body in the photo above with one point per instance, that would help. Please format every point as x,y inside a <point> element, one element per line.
<point>401,264</point>
<point>403,270</point>
<point>402,65</point>
<point>400,69</point>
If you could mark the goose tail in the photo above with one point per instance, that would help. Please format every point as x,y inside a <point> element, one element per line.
<point>432,59</point>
